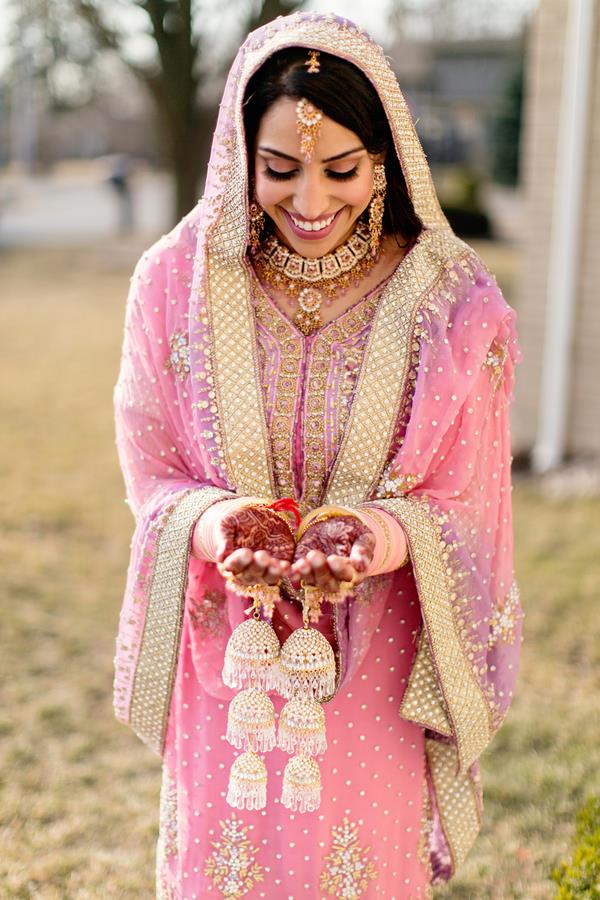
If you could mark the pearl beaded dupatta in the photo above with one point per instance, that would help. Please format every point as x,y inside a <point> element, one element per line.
<point>427,439</point>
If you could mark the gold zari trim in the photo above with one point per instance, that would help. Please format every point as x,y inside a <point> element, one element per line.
<point>157,661</point>
<point>456,798</point>
<point>237,381</point>
<point>464,701</point>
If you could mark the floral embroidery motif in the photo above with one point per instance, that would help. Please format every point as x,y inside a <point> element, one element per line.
<point>347,869</point>
<point>179,358</point>
<point>231,865</point>
<point>393,485</point>
<point>504,618</point>
<point>495,359</point>
<point>207,612</point>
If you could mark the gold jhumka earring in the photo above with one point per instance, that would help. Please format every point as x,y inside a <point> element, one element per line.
<point>257,223</point>
<point>376,207</point>
<point>308,126</point>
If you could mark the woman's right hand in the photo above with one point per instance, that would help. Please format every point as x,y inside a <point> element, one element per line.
<point>255,544</point>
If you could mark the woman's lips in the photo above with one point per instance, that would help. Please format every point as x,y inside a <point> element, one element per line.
<point>311,235</point>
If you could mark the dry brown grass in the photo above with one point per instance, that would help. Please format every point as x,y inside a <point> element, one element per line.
<point>80,793</point>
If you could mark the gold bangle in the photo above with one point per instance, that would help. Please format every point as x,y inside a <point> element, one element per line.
<point>387,537</point>
<point>322,514</point>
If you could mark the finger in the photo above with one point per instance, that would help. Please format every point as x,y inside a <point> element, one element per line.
<point>341,567</point>
<point>255,572</point>
<point>361,553</point>
<point>323,576</point>
<point>237,561</point>
<point>225,546</point>
<point>301,571</point>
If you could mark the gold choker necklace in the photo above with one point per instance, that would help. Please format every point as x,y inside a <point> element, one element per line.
<point>311,281</point>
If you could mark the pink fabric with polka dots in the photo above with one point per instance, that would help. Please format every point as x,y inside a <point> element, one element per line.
<point>373,780</point>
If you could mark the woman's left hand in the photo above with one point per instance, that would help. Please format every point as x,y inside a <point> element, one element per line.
<point>339,549</point>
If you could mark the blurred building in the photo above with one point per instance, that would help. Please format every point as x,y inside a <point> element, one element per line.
<point>557,410</point>
<point>454,89</point>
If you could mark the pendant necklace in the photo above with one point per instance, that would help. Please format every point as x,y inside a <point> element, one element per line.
<point>310,282</point>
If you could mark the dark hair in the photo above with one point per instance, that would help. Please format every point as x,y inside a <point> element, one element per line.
<point>344,94</point>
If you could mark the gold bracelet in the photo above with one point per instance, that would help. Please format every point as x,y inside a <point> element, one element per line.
<point>387,537</point>
<point>322,514</point>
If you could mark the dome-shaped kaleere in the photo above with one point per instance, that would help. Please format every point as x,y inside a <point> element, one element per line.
<point>248,782</point>
<point>302,727</point>
<point>251,656</point>
<point>251,721</point>
<point>307,666</point>
<point>301,791</point>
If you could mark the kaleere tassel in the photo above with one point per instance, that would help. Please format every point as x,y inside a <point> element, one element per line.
<point>252,654</point>
<point>248,782</point>
<point>301,791</point>
<point>251,721</point>
<point>302,727</point>
<point>307,664</point>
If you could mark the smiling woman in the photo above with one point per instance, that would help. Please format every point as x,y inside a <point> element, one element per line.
<point>312,421</point>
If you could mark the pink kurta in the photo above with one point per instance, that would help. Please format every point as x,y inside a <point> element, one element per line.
<point>368,837</point>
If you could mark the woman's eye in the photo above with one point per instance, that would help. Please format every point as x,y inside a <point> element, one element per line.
<point>279,176</point>
<point>343,176</point>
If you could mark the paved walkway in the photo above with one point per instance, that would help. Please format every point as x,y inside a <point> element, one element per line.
<point>76,205</point>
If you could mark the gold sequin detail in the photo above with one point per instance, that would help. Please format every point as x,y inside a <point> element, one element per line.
<point>232,866</point>
<point>347,868</point>
<point>505,617</point>
<point>155,670</point>
<point>179,357</point>
<point>494,362</point>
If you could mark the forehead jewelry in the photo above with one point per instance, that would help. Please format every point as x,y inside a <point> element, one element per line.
<point>308,125</point>
<point>313,62</point>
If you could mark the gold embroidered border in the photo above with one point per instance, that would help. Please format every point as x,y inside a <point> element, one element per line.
<point>315,423</point>
<point>282,420</point>
<point>464,700</point>
<point>456,798</point>
<point>157,660</point>
<point>423,701</point>
<point>237,381</point>
<point>382,381</point>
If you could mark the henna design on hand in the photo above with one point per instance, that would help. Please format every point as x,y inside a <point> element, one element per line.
<point>336,536</point>
<point>257,529</point>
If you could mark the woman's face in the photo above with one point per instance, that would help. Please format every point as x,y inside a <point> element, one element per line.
<point>314,205</point>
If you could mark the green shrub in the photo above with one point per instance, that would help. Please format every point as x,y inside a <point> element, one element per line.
<point>580,879</point>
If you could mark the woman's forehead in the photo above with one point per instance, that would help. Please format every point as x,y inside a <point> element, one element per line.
<point>278,131</point>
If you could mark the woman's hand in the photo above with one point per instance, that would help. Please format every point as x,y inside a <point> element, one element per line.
<point>339,549</point>
<point>255,545</point>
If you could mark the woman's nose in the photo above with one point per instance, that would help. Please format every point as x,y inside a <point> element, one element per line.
<point>310,200</point>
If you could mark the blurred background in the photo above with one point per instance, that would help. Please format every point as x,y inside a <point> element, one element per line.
<point>106,116</point>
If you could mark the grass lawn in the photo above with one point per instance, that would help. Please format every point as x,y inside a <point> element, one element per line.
<point>78,816</point>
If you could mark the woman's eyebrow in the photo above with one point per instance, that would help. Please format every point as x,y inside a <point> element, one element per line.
<point>293,158</point>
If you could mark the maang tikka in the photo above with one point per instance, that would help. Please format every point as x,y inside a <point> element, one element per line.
<point>308,126</point>
<point>376,207</point>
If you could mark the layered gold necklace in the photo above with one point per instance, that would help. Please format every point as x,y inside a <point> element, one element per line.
<point>310,282</point>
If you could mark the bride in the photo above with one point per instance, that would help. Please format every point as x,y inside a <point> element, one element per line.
<point>321,628</point>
